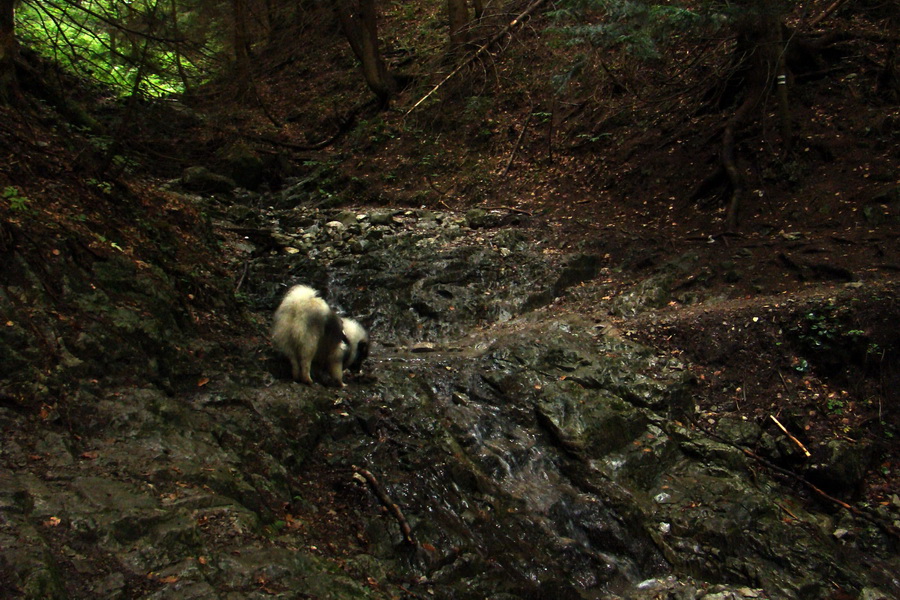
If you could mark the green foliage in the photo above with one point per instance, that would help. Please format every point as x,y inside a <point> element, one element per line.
<point>103,186</point>
<point>276,527</point>
<point>639,26</point>
<point>373,133</point>
<point>830,338</point>
<point>827,330</point>
<point>477,108</point>
<point>17,201</point>
<point>591,138</point>
<point>835,405</point>
<point>143,46</point>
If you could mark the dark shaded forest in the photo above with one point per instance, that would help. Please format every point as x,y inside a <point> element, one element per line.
<point>746,153</point>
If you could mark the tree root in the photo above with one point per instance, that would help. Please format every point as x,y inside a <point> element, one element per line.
<point>729,162</point>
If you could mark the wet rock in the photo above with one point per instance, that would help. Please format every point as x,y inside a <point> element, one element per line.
<point>359,246</point>
<point>687,589</point>
<point>478,218</point>
<point>843,465</point>
<point>382,217</point>
<point>202,180</point>
<point>656,290</point>
<point>873,594</point>
<point>538,299</point>
<point>594,422</point>
<point>244,166</point>
<point>240,213</point>
<point>579,268</point>
<point>346,218</point>
<point>739,431</point>
<point>422,347</point>
<point>434,286</point>
<point>527,454</point>
<point>511,238</point>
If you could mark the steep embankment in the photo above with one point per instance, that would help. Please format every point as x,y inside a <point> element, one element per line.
<point>104,278</point>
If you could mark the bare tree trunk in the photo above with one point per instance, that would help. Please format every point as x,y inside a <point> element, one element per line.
<point>177,49</point>
<point>241,40</point>
<point>9,88</point>
<point>479,8</point>
<point>121,132</point>
<point>360,24</point>
<point>759,42</point>
<point>458,16</point>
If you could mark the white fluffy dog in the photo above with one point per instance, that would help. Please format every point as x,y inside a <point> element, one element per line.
<point>309,333</point>
<point>357,345</point>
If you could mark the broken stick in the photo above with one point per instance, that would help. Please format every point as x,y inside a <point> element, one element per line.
<point>787,433</point>
<point>389,504</point>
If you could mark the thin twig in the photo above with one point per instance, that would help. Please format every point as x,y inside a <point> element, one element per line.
<point>793,439</point>
<point>240,282</point>
<point>784,383</point>
<point>885,526</point>
<point>787,510</point>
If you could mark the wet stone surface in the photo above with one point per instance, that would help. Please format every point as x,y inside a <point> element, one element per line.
<point>493,447</point>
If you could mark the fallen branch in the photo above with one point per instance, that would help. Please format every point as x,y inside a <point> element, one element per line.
<point>510,209</point>
<point>389,504</point>
<point>793,439</point>
<point>888,528</point>
<point>885,526</point>
<point>531,8</point>
<point>827,12</point>
<point>344,124</point>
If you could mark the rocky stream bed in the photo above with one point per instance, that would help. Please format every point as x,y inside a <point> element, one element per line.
<point>496,445</point>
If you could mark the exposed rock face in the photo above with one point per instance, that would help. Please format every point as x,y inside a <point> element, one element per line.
<point>492,448</point>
